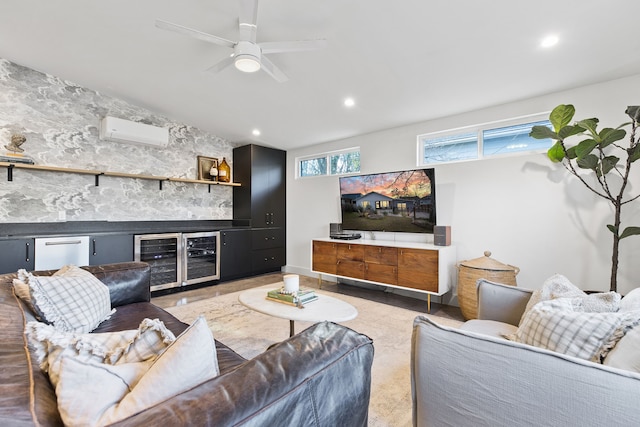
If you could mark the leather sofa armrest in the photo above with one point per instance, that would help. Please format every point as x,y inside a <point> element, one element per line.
<point>320,377</point>
<point>501,303</point>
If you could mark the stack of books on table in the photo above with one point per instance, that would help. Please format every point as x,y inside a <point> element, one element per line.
<point>303,296</point>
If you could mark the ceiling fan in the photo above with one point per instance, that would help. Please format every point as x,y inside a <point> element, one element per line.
<point>247,56</point>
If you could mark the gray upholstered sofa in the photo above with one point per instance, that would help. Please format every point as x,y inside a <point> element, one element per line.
<point>467,377</point>
<point>320,377</point>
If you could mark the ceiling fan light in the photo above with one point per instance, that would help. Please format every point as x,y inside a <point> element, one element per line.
<point>247,63</point>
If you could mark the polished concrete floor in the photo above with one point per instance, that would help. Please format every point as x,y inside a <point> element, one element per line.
<point>379,294</point>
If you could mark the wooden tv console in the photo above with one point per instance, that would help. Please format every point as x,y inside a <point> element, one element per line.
<point>419,267</point>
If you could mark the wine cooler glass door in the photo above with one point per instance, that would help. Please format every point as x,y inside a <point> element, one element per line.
<point>162,253</point>
<point>201,257</point>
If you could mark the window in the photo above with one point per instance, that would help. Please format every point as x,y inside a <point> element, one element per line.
<point>482,141</point>
<point>333,163</point>
<point>382,204</point>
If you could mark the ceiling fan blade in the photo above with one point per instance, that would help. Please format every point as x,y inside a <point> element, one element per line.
<point>248,19</point>
<point>270,68</point>
<point>293,46</point>
<point>194,33</point>
<point>219,66</point>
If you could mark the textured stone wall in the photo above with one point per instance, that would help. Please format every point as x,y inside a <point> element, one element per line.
<point>61,123</point>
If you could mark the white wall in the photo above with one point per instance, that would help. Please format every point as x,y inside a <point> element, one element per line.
<point>527,211</point>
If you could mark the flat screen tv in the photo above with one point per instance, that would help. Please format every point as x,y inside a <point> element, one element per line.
<point>391,201</point>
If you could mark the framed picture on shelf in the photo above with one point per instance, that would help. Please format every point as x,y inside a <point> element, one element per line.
<point>204,168</point>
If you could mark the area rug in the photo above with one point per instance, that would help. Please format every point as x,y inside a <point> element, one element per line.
<point>249,333</point>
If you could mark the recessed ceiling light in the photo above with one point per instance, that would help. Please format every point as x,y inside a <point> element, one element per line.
<point>256,132</point>
<point>549,41</point>
<point>349,102</point>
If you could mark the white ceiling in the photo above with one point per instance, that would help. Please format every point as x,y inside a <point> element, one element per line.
<point>404,61</point>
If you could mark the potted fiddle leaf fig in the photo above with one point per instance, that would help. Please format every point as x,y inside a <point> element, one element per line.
<point>599,153</point>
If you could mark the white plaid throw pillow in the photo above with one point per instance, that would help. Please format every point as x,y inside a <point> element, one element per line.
<point>556,326</point>
<point>72,301</point>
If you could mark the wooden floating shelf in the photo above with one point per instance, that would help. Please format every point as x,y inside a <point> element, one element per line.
<point>10,166</point>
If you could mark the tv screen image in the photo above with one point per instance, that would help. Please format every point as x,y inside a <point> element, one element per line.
<point>393,201</point>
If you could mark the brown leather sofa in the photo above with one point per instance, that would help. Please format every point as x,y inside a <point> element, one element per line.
<point>319,377</point>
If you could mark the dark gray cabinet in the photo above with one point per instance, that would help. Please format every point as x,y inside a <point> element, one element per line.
<point>16,254</point>
<point>261,197</point>
<point>261,171</point>
<point>235,254</point>
<point>110,248</point>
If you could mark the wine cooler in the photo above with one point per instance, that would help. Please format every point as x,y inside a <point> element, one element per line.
<point>179,259</point>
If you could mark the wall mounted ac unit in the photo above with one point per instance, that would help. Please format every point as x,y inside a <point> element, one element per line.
<point>119,130</point>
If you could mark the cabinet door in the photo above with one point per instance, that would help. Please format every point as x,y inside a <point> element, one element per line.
<point>277,188</point>
<point>110,249</point>
<point>16,254</point>
<point>324,257</point>
<point>418,269</point>
<point>235,254</point>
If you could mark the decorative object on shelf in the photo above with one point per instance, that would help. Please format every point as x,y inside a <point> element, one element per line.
<point>15,153</point>
<point>597,152</point>
<point>213,172</point>
<point>224,171</point>
<point>205,164</point>
<point>16,141</point>
<point>481,268</point>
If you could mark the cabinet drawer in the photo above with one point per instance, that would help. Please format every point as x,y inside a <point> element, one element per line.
<point>381,273</point>
<point>381,255</point>
<point>350,252</point>
<point>353,269</point>
<point>266,260</point>
<point>267,238</point>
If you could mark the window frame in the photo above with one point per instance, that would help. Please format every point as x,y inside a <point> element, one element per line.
<point>479,130</point>
<point>327,155</point>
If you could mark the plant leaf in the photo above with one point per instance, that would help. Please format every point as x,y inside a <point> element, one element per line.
<point>633,112</point>
<point>589,124</point>
<point>561,116</point>
<point>571,153</point>
<point>556,153</point>
<point>585,147</point>
<point>542,132</point>
<point>634,153</point>
<point>609,136</point>
<point>630,231</point>
<point>612,229</point>
<point>568,131</point>
<point>590,161</point>
<point>609,163</point>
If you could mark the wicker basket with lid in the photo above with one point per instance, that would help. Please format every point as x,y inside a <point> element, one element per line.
<point>480,268</point>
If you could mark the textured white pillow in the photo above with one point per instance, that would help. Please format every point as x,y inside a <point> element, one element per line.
<point>113,348</point>
<point>91,393</point>
<point>558,286</point>
<point>631,301</point>
<point>626,354</point>
<point>556,326</point>
<point>73,300</point>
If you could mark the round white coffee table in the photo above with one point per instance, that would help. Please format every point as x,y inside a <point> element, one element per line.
<point>324,308</point>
